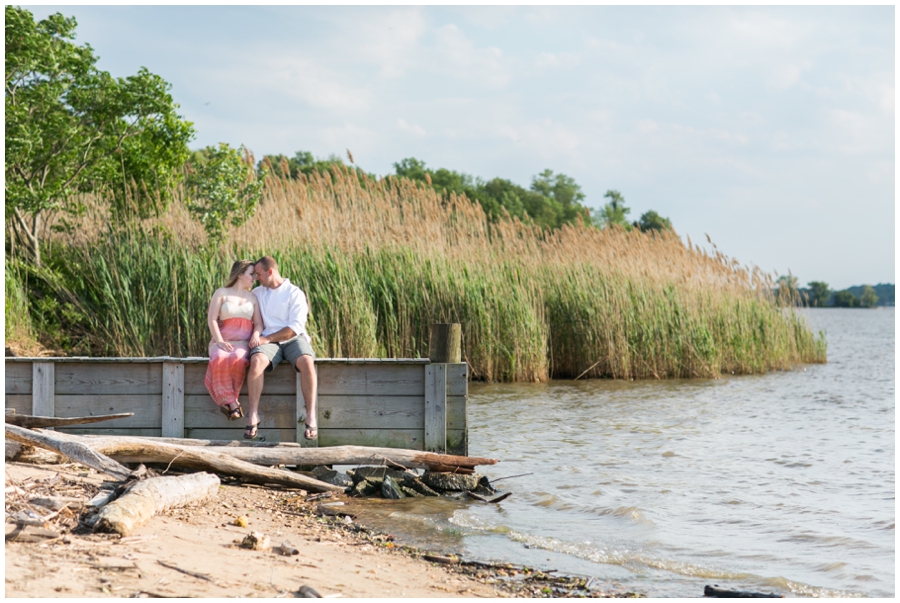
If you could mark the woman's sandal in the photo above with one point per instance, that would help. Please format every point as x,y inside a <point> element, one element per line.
<point>251,431</point>
<point>233,414</point>
<point>314,430</point>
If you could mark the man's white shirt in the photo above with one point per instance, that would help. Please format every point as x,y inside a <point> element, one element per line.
<point>284,306</point>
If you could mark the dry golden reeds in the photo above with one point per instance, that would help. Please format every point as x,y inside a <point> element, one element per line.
<point>381,260</point>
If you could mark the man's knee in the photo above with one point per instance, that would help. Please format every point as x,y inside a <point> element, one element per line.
<point>305,364</point>
<point>258,364</point>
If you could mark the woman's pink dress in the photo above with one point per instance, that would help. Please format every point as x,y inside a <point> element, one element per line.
<point>226,370</point>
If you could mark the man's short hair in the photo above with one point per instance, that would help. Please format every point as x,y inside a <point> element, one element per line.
<point>267,262</point>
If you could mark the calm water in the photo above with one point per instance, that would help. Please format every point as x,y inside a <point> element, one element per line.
<point>779,482</point>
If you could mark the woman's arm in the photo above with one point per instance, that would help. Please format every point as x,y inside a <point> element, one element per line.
<point>212,320</point>
<point>257,323</point>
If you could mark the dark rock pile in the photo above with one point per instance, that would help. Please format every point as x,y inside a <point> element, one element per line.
<point>387,482</point>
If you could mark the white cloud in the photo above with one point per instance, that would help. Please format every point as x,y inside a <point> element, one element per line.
<point>645,126</point>
<point>390,39</point>
<point>455,54</point>
<point>561,60</point>
<point>414,129</point>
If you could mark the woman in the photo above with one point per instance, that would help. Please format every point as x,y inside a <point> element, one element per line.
<point>235,324</point>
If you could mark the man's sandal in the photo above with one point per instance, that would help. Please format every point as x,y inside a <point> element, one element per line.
<point>314,430</point>
<point>251,431</point>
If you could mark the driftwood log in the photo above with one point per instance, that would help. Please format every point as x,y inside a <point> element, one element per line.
<point>292,454</point>
<point>69,446</point>
<point>126,448</point>
<point>23,453</point>
<point>151,496</point>
<point>31,421</point>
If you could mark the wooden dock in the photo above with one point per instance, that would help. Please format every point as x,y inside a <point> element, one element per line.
<point>394,403</point>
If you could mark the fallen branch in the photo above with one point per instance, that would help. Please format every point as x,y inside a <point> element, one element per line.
<point>73,449</point>
<point>291,454</point>
<point>148,497</point>
<point>23,453</point>
<point>129,449</point>
<point>31,421</point>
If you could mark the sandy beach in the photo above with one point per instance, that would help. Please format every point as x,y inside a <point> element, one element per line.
<point>195,551</point>
<point>203,540</point>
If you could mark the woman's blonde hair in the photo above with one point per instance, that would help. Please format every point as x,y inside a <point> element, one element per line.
<point>238,269</point>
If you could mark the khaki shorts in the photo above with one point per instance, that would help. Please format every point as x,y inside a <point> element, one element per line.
<point>288,350</point>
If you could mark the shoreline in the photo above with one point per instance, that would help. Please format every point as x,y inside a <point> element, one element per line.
<point>194,551</point>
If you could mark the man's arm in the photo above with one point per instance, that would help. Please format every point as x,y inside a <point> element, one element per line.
<point>278,336</point>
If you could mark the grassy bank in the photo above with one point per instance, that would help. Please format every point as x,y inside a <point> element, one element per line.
<point>382,261</point>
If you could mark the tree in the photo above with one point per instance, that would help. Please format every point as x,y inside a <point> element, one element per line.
<point>650,220</point>
<point>868,299</point>
<point>818,293</point>
<point>565,191</point>
<point>845,299</point>
<point>72,128</point>
<point>613,213</point>
<point>223,188</point>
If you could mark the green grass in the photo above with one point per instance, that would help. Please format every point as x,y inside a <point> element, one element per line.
<point>138,294</point>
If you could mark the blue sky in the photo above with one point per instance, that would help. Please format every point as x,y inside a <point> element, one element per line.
<point>769,128</point>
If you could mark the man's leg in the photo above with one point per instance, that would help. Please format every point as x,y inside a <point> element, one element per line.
<point>309,385</point>
<point>258,364</point>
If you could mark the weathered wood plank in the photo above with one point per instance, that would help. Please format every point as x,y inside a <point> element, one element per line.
<point>131,431</point>
<point>109,379</point>
<point>237,434</point>
<point>411,439</point>
<point>396,380</point>
<point>276,411</point>
<point>43,396</point>
<point>18,378</point>
<point>385,380</point>
<point>372,412</point>
<point>21,403</point>
<point>279,381</point>
<point>147,408</point>
<point>435,407</point>
<point>457,379</point>
<point>173,400</point>
<point>457,413</point>
<point>457,442</point>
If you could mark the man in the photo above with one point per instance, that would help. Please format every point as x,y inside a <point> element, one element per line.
<point>284,311</point>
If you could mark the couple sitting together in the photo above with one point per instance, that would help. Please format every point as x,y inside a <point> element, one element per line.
<point>259,329</point>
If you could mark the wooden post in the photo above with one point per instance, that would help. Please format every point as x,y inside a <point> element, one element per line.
<point>435,408</point>
<point>300,436</point>
<point>43,389</point>
<point>172,400</point>
<point>445,345</point>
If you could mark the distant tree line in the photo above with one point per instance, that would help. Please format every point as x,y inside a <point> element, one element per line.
<point>818,294</point>
<point>551,200</point>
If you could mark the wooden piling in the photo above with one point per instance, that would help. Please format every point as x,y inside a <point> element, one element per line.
<point>445,346</point>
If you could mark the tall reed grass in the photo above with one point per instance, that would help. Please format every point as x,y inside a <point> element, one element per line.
<point>381,261</point>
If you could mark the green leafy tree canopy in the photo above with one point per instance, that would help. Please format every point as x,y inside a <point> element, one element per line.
<point>72,128</point>
<point>818,293</point>
<point>868,299</point>
<point>613,213</point>
<point>650,220</point>
<point>223,189</point>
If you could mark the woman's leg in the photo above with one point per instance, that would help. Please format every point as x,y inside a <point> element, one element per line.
<point>218,380</point>
<point>240,360</point>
